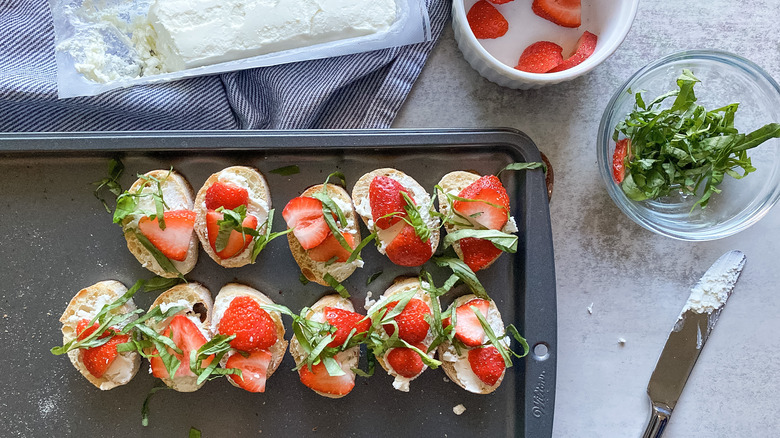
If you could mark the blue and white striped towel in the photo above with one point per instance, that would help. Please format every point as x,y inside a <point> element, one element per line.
<point>364,90</point>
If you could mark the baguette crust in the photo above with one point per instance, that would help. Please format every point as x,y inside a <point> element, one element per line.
<point>313,270</point>
<point>259,205</point>
<point>451,362</point>
<point>222,302</point>
<point>85,305</point>
<point>455,182</point>
<point>402,285</point>
<point>178,195</point>
<point>200,309</point>
<point>348,358</point>
<point>361,198</point>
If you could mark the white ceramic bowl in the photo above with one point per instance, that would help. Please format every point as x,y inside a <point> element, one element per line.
<point>495,59</point>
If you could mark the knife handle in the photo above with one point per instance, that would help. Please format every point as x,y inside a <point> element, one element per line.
<point>658,419</point>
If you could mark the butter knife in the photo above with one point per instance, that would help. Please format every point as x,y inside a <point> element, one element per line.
<point>688,336</point>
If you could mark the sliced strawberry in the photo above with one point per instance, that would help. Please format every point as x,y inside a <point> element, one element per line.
<point>490,190</point>
<point>304,216</point>
<point>99,359</point>
<point>487,364</point>
<point>586,45</point>
<point>485,20</point>
<point>407,249</point>
<point>499,2</point>
<point>468,329</point>
<point>253,326</point>
<point>236,243</point>
<point>345,321</point>
<point>384,196</point>
<point>540,57</point>
<point>412,325</point>
<point>83,331</point>
<point>188,338</point>
<point>619,159</point>
<point>566,13</point>
<point>330,247</point>
<point>405,361</point>
<point>254,370</point>
<point>174,240</point>
<point>478,253</point>
<point>319,380</point>
<point>229,196</point>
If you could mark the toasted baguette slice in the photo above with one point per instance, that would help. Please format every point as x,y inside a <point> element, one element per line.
<point>348,359</point>
<point>199,305</point>
<point>85,305</point>
<point>457,367</point>
<point>313,270</point>
<point>361,198</point>
<point>222,302</point>
<point>453,183</point>
<point>178,195</point>
<point>402,285</point>
<point>259,204</point>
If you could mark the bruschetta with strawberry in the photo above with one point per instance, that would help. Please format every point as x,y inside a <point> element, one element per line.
<point>157,218</point>
<point>477,355</point>
<point>401,332</point>
<point>324,233</point>
<point>179,324</point>
<point>258,345</point>
<point>476,217</point>
<point>398,209</point>
<point>332,320</point>
<point>94,354</point>
<point>232,209</point>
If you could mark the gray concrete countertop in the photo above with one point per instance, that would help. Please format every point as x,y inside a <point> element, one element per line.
<point>637,281</point>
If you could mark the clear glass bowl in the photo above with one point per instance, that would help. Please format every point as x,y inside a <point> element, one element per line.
<point>725,78</point>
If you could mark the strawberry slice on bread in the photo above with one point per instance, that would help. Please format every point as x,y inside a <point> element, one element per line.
<point>103,365</point>
<point>342,352</point>
<point>476,366</point>
<point>470,201</point>
<point>259,344</point>
<point>384,199</point>
<point>410,325</point>
<point>173,238</point>
<point>314,245</point>
<point>241,195</point>
<point>189,329</point>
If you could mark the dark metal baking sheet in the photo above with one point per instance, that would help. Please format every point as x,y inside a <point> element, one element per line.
<point>57,238</point>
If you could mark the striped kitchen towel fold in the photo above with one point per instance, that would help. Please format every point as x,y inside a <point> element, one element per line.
<point>363,90</point>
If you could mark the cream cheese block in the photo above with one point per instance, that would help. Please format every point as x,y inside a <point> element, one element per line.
<point>194,33</point>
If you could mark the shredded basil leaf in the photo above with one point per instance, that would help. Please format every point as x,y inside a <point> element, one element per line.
<point>684,147</point>
<point>263,239</point>
<point>194,433</point>
<point>145,407</point>
<point>373,277</point>
<point>462,270</point>
<point>338,287</point>
<point>287,170</point>
<point>414,218</point>
<point>524,166</point>
<point>503,241</point>
<point>111,183</point>
<point>304,281</point>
